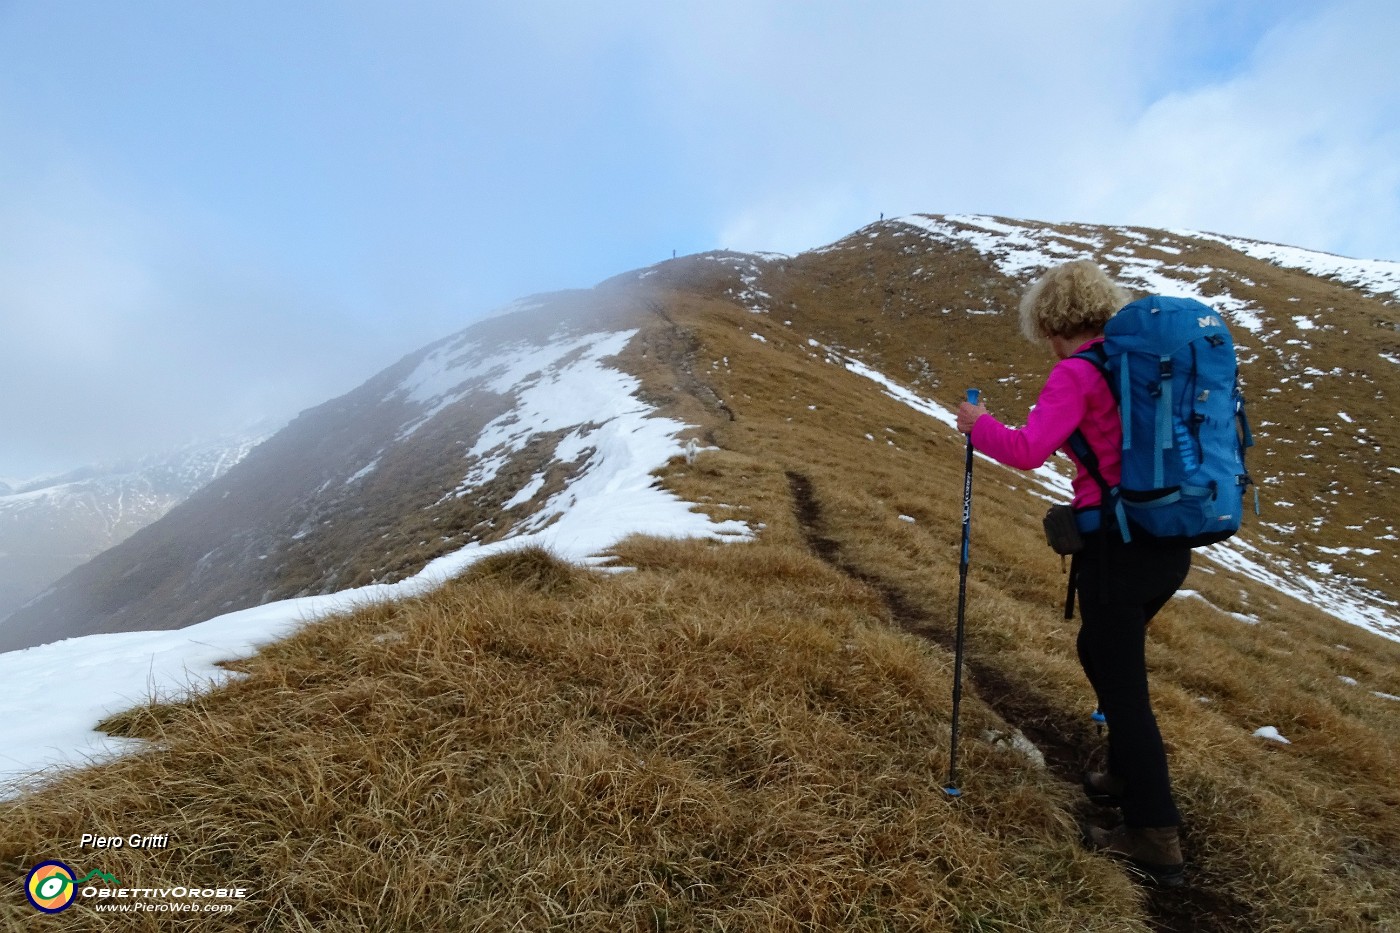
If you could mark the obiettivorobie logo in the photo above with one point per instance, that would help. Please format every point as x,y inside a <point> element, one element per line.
<point>52,886</point>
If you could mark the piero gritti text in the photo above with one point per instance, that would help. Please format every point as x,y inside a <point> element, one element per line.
<point>133,841</point>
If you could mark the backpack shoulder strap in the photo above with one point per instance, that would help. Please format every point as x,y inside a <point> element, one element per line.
<point>1077,442</point>
<point>1080,445</point>
<point>1109,502</point>
<point>1098,356</point>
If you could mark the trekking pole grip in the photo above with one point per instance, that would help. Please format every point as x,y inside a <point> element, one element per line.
<point>973,397</point>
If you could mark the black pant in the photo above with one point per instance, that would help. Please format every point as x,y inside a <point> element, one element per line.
<point>1121,587</point>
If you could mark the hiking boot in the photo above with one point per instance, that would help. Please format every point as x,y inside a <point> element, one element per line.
<point>1103,789</point>
<point>1152,852</point>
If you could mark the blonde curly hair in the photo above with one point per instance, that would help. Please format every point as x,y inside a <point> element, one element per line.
<point>1070,300</point>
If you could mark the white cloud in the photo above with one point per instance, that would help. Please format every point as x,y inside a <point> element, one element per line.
<point>805,122</point>
<point>60,281</point>
<point>1300,147</point>
<point>788,227</point>
<point>253,215</point>
<point>816,121</point>
<point>126,331</point>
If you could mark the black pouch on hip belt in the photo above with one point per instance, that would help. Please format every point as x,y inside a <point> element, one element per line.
<point>1063,535</point>
<point>1062,532</point>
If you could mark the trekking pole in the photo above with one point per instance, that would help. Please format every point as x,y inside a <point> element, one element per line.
<point>973,396</point>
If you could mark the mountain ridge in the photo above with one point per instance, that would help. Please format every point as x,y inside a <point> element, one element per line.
<point>744,722</point>
<point>899,294</point>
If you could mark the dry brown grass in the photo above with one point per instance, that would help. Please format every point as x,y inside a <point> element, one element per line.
<point>1286,838</point>
<point>1279,837</point>
<point>726,738</point>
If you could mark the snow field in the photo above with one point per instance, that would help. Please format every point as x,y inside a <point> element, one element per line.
<point>52,696</point>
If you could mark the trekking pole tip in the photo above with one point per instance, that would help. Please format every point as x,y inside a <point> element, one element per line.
<point>952,791</point>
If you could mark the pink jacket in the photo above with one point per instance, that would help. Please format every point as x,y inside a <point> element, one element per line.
<point>1076,395</point>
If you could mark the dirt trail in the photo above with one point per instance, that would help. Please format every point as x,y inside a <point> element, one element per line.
<point>1069,740</point>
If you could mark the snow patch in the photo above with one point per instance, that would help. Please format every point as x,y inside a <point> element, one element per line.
<point>1056,486</point>
<point>1022,251</point>
<point>1343,601</point>
<point>1237,616</point>
<point>52,696</point>
<point>527,492</point>
<point>1377,276</point>
<point>364,471</point>
<point>1017,742</point>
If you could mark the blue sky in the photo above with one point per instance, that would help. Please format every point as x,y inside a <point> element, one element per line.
<point>212,212</point>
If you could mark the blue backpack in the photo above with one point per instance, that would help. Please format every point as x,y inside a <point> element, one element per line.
<point>1170,363</point>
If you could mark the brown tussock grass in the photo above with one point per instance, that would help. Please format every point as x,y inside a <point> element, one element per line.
<point>1291,834</point>
<point>1278,837</point>
<point>725,738</point>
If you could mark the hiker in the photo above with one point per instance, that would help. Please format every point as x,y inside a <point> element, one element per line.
<point>1120,586</point>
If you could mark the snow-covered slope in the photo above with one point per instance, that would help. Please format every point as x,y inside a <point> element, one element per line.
<point>464,442</point>
<point>1314,370</point>
<point>558,385</point>
<point>1378,276</point>
<point>1350,601</point>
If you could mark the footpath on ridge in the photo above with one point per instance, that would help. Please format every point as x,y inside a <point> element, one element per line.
<point>1069,741</point>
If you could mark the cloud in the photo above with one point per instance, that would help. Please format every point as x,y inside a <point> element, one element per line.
<point>222,215</point>
<point>1299,146</point>
<point>893,107</point>
<point>788,227</point>
<point>128,331</point>
<point>802,124</point>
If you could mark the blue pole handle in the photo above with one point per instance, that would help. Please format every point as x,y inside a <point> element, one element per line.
<point>974,396</point>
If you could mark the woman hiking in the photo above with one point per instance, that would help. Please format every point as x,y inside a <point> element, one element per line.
<point>1120,586</point>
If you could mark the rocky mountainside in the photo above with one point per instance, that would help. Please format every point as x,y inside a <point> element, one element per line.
<point>443,449</point>
<point>50,526</point>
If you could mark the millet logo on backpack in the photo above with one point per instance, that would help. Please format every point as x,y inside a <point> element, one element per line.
<point>1209,321</point>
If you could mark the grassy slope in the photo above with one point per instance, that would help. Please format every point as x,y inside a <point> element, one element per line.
<point>753,737</point>
<point>728,738</point>
<point>1280,838</point>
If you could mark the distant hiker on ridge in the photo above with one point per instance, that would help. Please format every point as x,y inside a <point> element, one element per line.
<point>1121,585</point>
